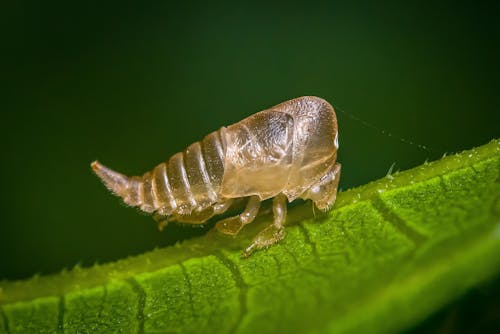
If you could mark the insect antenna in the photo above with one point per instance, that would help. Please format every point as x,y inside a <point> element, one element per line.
<point>386,133</point>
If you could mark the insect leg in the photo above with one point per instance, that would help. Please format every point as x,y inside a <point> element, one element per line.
<point>273,233</point>
<point>233,225</point>
<point>195,217</point>
<point>326,189</point>
<point>220,208</point>
<point>161,220</point>
<point>200,217</point>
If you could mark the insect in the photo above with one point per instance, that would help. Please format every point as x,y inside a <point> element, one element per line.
<point>285,152</point>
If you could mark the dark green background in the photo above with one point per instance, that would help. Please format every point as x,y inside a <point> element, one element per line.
<point>131,84</point>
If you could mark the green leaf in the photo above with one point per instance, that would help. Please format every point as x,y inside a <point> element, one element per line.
<point>389,254</point>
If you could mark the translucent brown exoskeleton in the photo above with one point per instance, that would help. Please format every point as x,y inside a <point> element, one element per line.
<point>286,152</point>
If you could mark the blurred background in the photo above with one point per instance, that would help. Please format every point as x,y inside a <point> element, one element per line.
<point>131,84</point>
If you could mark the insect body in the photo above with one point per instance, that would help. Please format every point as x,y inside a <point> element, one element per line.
<point>286,152</point>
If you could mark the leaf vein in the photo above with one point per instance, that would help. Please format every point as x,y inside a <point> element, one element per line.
<point>308,240</point>
<point>5,320</point>
<point>240,283</point>
<point>189,286</point>
<point>101,306</point>
<point>392,218</point>
<point>141,302</point>
<point>60,316</point>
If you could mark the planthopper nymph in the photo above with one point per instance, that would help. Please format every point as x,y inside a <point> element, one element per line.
<point>285,152</point>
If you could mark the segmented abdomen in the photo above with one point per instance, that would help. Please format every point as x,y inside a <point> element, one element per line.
<point>284,149</point>
<point>190,179</point>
